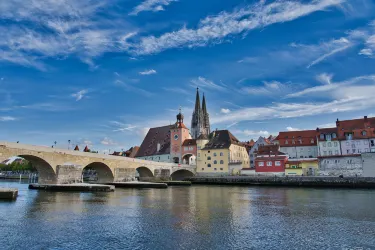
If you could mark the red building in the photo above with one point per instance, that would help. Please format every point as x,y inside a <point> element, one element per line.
<point>270,160</point>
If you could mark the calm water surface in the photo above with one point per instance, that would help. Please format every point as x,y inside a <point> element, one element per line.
<point>198,217</point>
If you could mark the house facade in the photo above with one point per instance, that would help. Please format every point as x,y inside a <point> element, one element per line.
<point>302,167</point>
<point>270,161</point>
<point>298,144</point>
<point>262,141</point>
<point>328,142</point>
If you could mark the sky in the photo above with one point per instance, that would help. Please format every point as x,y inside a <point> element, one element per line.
<point>102,72</point>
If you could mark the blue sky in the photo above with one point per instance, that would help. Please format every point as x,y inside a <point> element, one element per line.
<point>101,72</point>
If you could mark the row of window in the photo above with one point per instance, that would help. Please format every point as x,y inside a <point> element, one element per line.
<point>188,148</point>
<point>329,144</point>
<point>215,162</point>
<point>331,153</point>
<point>338,161</point>
<point>299,141</point>
<point>269,163</point>
<point>214,169</point>
<point>365,142</point>
<point>328,136</point>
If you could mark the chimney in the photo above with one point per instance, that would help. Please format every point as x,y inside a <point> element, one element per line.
<point>365,118</point>
<point>317,129</point>
<point>337,122</point>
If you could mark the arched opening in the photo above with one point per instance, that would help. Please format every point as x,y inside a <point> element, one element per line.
<point>29,167</point>
<point>180,175</point>
<point>189,159</point>
<point>143,173</point>
<point>97,172</point>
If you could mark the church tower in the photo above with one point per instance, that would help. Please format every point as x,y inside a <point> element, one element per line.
<point>200,121</point>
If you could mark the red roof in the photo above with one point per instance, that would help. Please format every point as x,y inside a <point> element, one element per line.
<point>76,148</point>
<point>359,128</point>
<point>86,149</point>
<point>297,138</point>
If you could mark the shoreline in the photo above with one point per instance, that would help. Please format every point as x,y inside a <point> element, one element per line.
<point>303,182</point>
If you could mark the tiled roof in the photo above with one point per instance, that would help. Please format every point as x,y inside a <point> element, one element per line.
<point>221,139</point>
<point>359,128</point>
<point>327,131</point>
<point>190,142</point>
<point>297,138</point>
<point>154,136</point>
<point>269,150</point>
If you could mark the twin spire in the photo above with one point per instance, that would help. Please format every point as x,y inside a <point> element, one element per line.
<point>200,122</point>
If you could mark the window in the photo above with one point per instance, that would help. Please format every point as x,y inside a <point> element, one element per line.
<point>215,169</point>
<point>221,168</point>
<point>322,136</point>
<point>366,150</point>
<point>353,145</point>
<point>277,163</point>
<point>329,144</point>
<point>215,161</point>
<point>364,133</point>
<point>335,144</point>
<point>372,143</point>
<point>336,152</point>
<point>330,152</point>
<point>215,154</point>
<point>293,142</point>
<point>221,154</point>
<point>348,151</point>
<point>359,151</point>
<point>208,165</point>
<point>199,154</point>
<point>365,142</point>
<point>347,143</point>
<point>353,150</point>
<point>269,163</point>
<point>337,161</point>
<point>286,142</point>
<point>312,141</point>
<point>221,162</point>
<point>328,162</point>
<point>358,142</point>
<point>208,151</point>
<point>324,152</point>
<point>261,164</point>
<point>324,144</point>
<point>202,168</point>
<point>328,137</point>
<point>209,158</point>
<point>334,135</point>
<point>199,147</point>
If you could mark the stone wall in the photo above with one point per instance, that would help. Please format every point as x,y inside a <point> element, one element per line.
<point>124,174</point>
<point>368,161</point>
<point>343,165</point>
<point>69,174</point>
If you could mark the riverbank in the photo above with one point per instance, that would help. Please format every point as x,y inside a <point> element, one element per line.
<point>80,187</point>
<point>314,181</point>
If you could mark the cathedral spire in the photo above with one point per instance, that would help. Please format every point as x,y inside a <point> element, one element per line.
<point>197,103</point>
<point>204,108</point>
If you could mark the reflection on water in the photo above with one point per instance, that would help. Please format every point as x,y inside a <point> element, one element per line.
<point>197,217</point>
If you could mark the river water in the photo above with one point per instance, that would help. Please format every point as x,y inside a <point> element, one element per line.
<point>197,217</point>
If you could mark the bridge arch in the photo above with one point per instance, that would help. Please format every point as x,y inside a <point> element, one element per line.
<point>46,173</point>
<point>189,159</point>
<point>144,172</point>
<point>103,172</point>
<point>181,174</point>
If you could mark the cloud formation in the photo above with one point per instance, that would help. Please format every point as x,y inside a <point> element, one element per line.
<point>148,72</point>
<point>80,94</point>
<point>151,5</point>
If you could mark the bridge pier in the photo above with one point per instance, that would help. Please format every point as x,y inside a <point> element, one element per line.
<point>124,174</point>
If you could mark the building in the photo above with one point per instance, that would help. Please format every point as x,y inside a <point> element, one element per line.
<point>200,121</point>
<point>270,160</point>
<point>302,167</point>
<point>220,153</point>
<point>262,141</point>
<point>298,144</point>
<point>346,165</point>
<point>328,142</point>
<point>356,136</point>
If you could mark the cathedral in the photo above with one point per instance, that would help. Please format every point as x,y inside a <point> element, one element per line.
<point>176,143</point>
<point>200,121</point>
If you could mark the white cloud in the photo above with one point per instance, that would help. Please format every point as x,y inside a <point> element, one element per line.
<point>107,141</point>
<point>366,52</point>
<point>151,5</point>
<point>327,88</point>
<point>325,78</point>
<point>271,88</point>
<point>346,97</point>
<point>127,85</point>
<point>7,118</point>
<point>80,94</point>
<point>213,29</point>
<point>225,111</point>
<point>122,127</point>
<point>244,135</point>
<point>248,60</point>
<point>148,72</point>
<point>205,84</point>
<point>292,129</point>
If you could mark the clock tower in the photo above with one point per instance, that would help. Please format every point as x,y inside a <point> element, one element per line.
<point>179,133</point>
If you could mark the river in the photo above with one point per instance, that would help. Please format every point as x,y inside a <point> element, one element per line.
<point>197,217</point>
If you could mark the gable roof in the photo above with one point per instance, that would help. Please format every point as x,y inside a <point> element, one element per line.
<point>190,142</point>
<point>356,127</point>
<point>297,138</point>
<point>154,136</point>
<point>221,139</point>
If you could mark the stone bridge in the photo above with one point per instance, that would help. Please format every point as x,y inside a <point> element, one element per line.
<point>65,166</point>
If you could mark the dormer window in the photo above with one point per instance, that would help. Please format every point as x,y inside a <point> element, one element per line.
<point>322,136</point>
<point>328,137</point>
<point>364,133</point>
<point>334,135</point>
